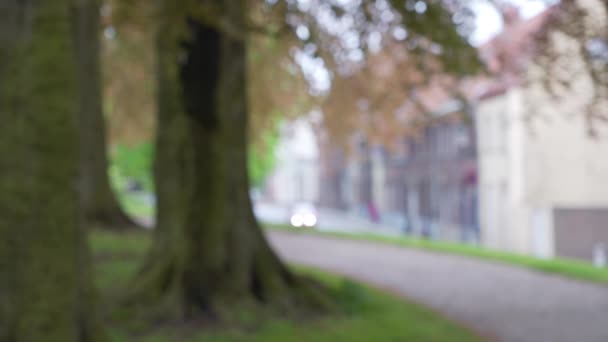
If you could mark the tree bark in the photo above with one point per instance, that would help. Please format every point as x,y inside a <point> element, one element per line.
<point>99,203</point>
<point>45,285</point>
<point>209,252</point>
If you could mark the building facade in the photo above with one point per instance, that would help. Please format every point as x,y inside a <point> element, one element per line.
<point>542,176</point>
<point>426,185</point>
<point>296,177</point>
<point>438,177</point>
<point>536,176</point>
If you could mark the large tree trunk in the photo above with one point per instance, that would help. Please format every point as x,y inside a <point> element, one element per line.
<point>45,289</point>
<point>98,201</point>
<point>209,252</point>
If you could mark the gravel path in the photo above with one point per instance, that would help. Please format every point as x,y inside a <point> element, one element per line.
<point>503,302</point>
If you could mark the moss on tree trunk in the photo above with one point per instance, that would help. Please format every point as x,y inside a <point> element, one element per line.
<point>209,253</point>
<point>45,287</point>
<point>98,200</point>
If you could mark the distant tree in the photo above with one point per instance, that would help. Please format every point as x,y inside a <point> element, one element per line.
<point>261,155</point>
<point>45,282</point>
<point>99,203</point>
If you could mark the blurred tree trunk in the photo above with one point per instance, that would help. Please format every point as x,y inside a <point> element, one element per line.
<point>99,203</point>
<point>45,288</point>
<point>209,252</point>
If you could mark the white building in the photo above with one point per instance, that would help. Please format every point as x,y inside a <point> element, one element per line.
<point>543,186</point>
<point>296,177</point>
<point>543,183</point>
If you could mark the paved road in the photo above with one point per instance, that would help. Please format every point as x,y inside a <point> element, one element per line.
<point>502,302</point>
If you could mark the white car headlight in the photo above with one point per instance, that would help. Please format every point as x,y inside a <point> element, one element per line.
<point>297,220</point>
<point>310,220</point>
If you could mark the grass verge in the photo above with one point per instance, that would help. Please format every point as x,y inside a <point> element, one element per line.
<point>366,315</point>
<point>562,267</point>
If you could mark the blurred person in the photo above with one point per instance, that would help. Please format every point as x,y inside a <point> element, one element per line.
<point>372,212</point>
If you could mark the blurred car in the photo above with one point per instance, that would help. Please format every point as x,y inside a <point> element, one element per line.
<point>303,215</point>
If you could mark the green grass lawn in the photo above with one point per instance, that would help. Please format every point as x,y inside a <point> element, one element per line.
<point>366,314</point>
<point>135,205</point>
<point>562,267</point>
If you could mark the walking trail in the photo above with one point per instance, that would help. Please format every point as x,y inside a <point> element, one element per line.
<point>502,302</point>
